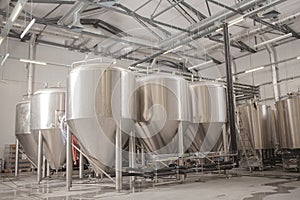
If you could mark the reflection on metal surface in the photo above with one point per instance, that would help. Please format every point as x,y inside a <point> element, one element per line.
<point>22,130</point>
<point>208,102</point>
<point>163,104</point>
<point>47,111</point>
<point>288,115</point>
<point>100,98</point>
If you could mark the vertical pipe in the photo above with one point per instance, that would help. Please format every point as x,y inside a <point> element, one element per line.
<point>69,159</point>
<point>40,157</point>
<point>273,59</point>
<point>17,159</point>
<point>230,97</point>
<point>132,158</point>
<point>118,162</point>
<point>80,165</point>
<point>32,48</point>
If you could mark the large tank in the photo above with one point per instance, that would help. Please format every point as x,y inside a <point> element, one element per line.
<point>163,108</point>
<point>209,112</point>
<point>22,130</point>
<point>47,111</point>
<point>255,123</point>
<point>101,97</point>
<point>288,115</point>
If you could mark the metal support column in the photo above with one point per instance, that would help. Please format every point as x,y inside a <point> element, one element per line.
<point>69,161</point>
<point>80,165</point>
<point>132,156</point>
<point>225,141</point>
<point>118,163</point>
<point>230,97</point>
<point>142,155</point>
<point>40,157</point>
<point>17,159</point>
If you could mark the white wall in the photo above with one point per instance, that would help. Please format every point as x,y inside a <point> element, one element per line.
<point>286,69</point>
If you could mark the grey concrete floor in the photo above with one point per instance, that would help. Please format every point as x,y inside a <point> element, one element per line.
<point>210,187</point>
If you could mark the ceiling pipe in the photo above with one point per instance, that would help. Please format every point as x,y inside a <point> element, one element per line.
<point>211,21</point>
<point>204,28</point>
<point>72,17</point>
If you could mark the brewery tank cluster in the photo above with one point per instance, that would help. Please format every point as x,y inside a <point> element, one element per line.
<point>104,97</point>
<point>257,123</point>
<point>168,114</point>
<point>272,131</point>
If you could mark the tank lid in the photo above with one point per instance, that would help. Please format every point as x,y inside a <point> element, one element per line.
<point>160,76</point>
<point>206,83</point>
<point>51,90</point>
<point>107,66</point>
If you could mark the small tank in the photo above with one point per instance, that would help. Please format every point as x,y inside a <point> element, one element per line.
<point>47,112</point>
<point>208,100</point>
<point>22,130</point>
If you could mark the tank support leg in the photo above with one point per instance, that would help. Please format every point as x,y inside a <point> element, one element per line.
<point>17,159</point>
<point>40,157</point>
<point>118,163</point>
<point>69,159</point>
<point>80,165</point>
<point>132,158</point>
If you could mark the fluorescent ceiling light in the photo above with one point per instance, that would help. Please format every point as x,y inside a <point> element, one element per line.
<point>16,11</point>
<point>235,21</point>
<point>201,65</point>
<point>4,59</point>
<point>1,39</point>
<point>33,62</point>
<point>253,70</point>
<point>172,49</point>
<point>27,28</point>
<point>298,58</point>
<point>273,40</point>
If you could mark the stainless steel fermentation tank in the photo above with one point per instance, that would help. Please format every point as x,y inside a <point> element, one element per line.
<point>257,124</point>
<point>208,102</point>
<point>101,97</point>
<point>163,111</point>
<point>22,130</point>
<point>288,116</point>
<point>47,111</point>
